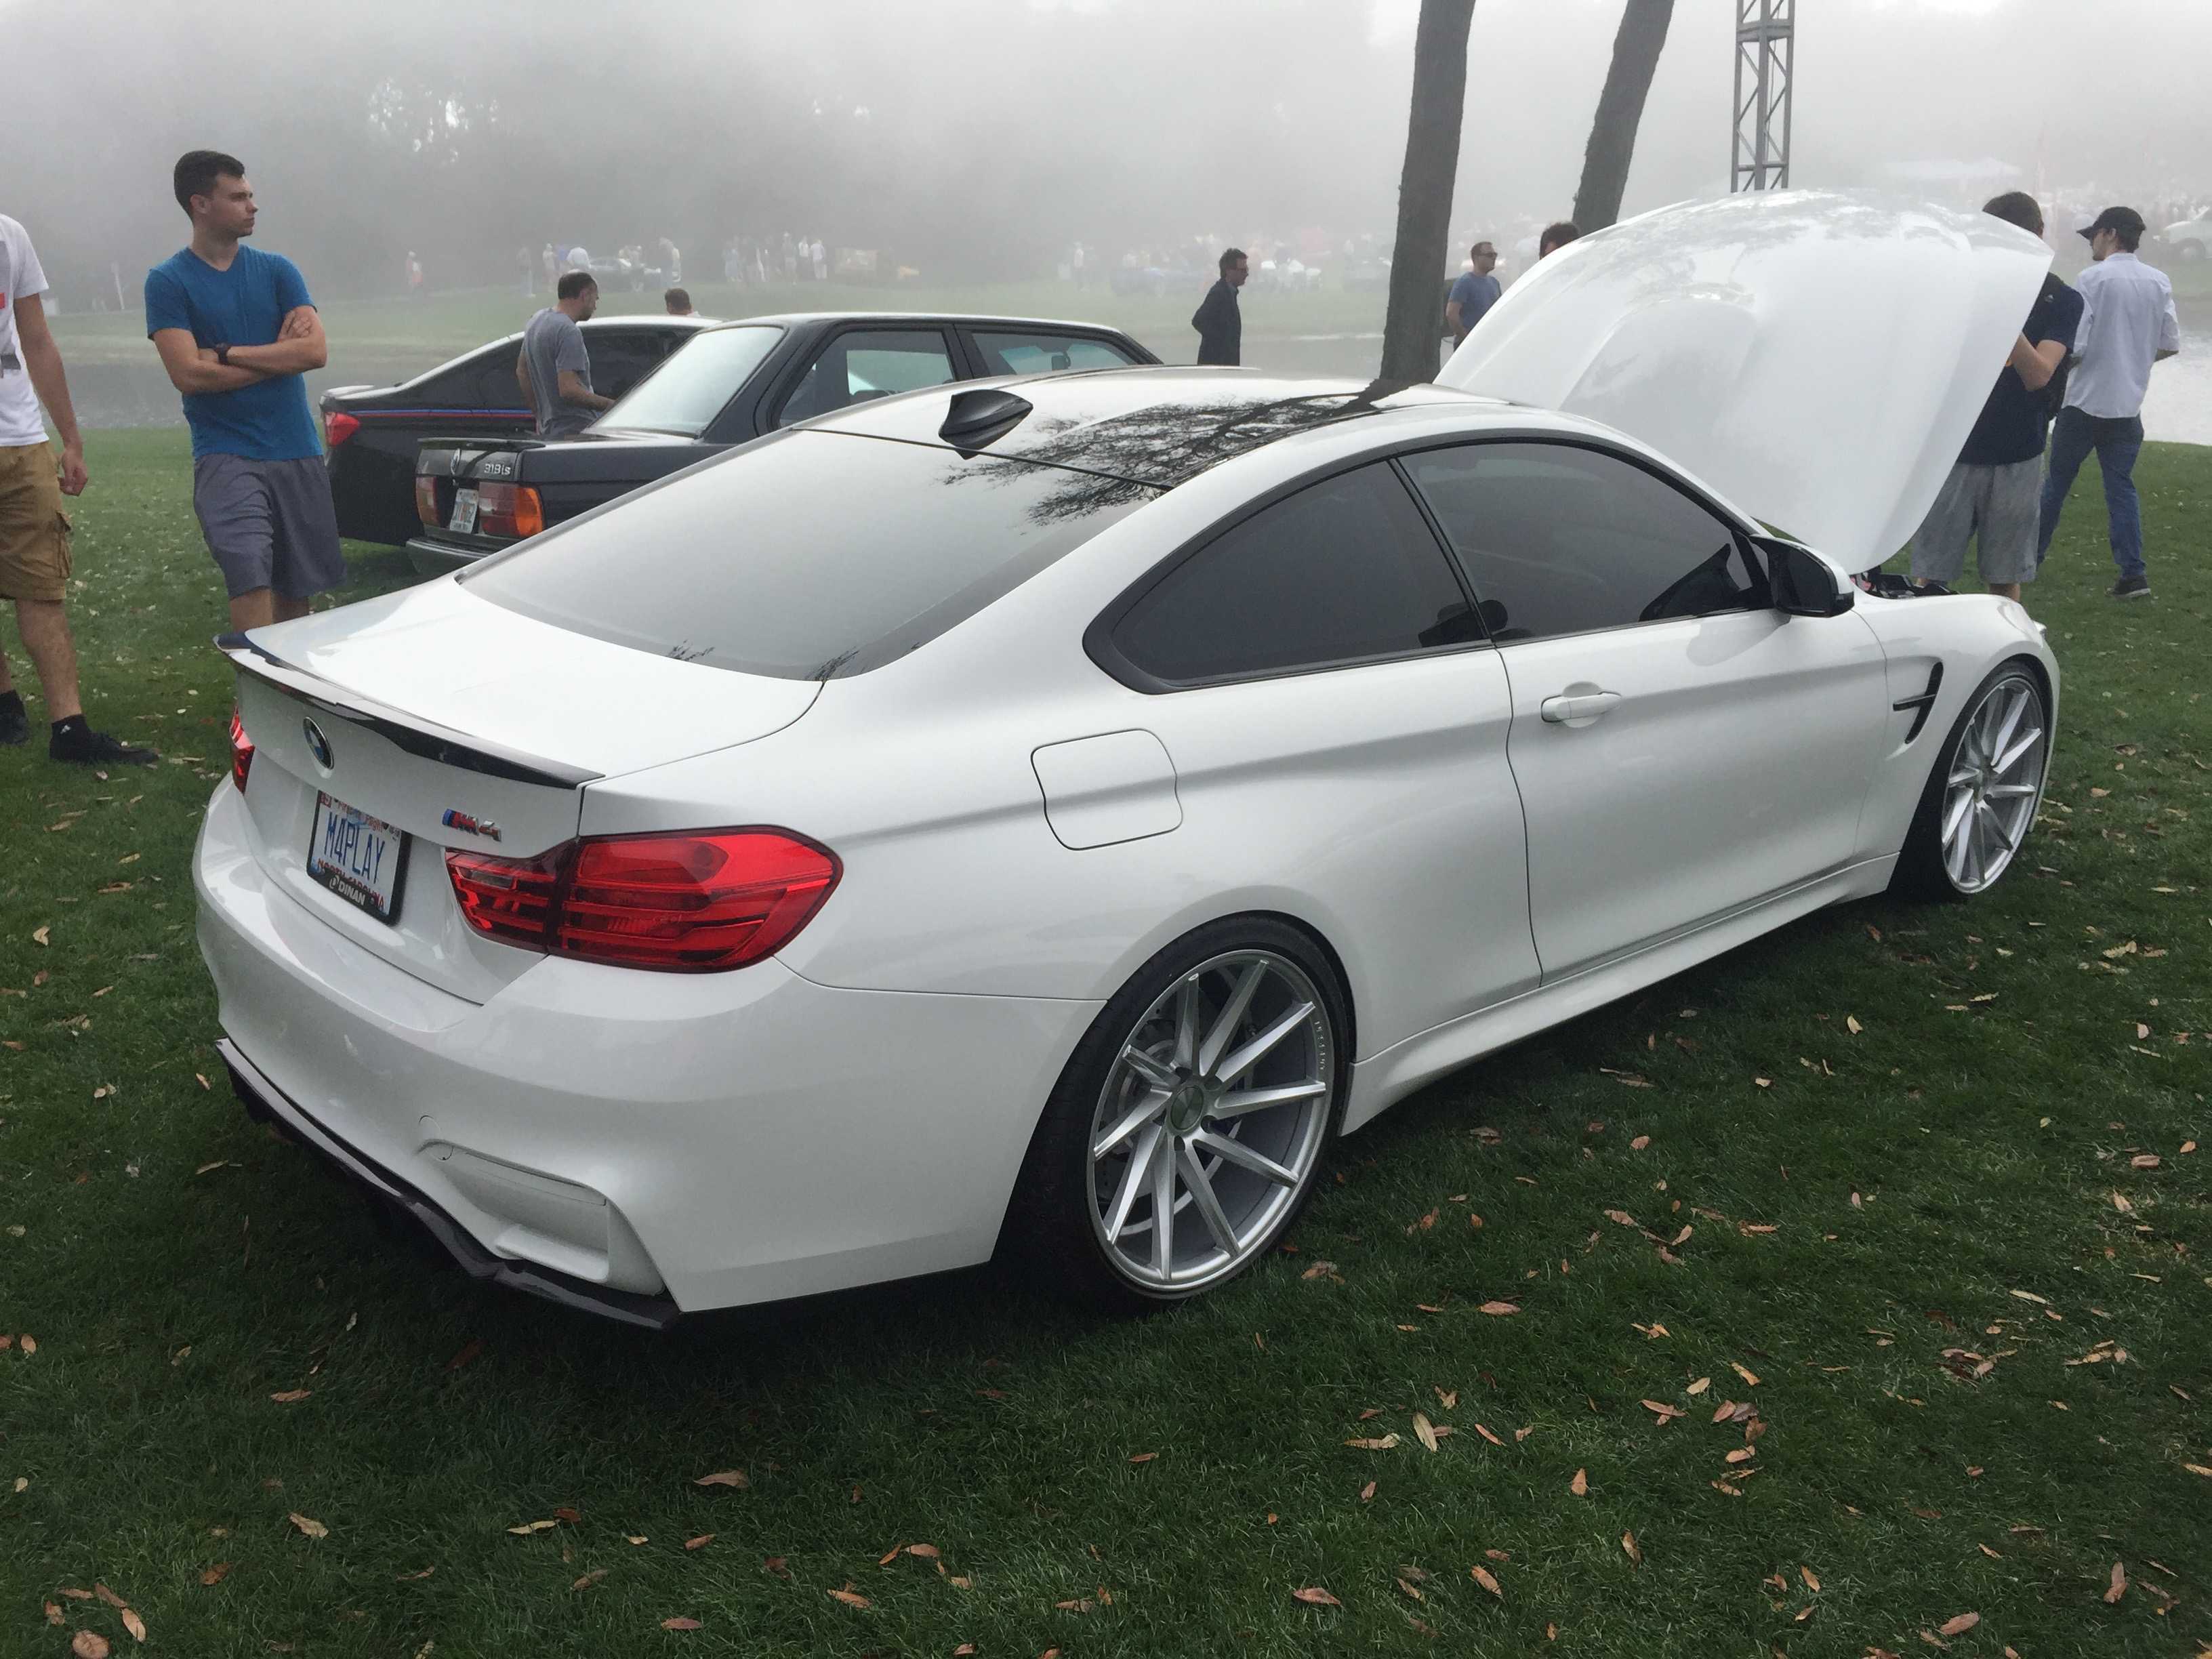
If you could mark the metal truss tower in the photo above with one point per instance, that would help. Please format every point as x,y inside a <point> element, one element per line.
<point>1765,64</point>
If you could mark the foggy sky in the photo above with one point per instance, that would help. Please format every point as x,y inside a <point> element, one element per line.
<point>977,137</point>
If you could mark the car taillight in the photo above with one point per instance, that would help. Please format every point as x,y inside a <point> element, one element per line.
<point>242,751</point>
<point>426,500</point>
<point>506,509</point>
<point>337,428</point>
<point>688,903</point>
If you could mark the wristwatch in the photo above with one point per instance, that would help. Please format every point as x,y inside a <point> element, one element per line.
<point>223,355</point>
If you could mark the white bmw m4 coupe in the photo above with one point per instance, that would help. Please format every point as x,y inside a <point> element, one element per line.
<point>1050,812</point>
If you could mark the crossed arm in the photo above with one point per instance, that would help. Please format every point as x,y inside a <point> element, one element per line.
<point>299,346</point>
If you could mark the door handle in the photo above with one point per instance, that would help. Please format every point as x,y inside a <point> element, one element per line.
<point>1588,706</point>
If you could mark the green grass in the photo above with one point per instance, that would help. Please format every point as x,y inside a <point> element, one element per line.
<point>1985,1141</point>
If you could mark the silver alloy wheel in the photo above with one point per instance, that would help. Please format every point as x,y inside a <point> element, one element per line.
<point>1211,1120</point>
<point>1994,782</point>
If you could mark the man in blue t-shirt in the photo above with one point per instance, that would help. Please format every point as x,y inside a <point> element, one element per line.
<point>1474,293</point>
<point>1995,493</point>
<point>236,332</point>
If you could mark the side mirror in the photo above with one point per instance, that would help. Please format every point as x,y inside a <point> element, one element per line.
<point>1802,584</point>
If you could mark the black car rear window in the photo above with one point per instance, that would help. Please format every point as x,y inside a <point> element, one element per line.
<point>806,554</point>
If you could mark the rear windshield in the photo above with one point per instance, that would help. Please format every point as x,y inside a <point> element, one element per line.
<point>806,554</point>
<point>690,388</point>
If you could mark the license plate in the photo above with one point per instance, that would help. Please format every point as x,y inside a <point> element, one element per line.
<point>464,512</point>
<point>359,857</point>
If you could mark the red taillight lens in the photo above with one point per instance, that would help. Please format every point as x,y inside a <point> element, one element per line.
<point>242,751</point>
<point>426,500</point>
<point>506,509</point>
<point>691,903</point>
<point>337,428</point>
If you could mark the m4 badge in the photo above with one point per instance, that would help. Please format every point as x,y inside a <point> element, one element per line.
<point>483,827</point>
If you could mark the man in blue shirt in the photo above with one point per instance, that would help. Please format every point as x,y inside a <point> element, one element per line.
<point>1995,492</point>
<point>1474,293</point>
<point>236,332</point>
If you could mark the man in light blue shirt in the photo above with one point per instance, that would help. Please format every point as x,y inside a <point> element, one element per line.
<point>1474,293</point>
<point>2128,323</point>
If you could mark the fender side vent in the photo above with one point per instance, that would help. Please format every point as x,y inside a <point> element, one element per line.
<point>1921,704</point>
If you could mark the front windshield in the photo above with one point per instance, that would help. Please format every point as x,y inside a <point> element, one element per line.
<point>689,389</point>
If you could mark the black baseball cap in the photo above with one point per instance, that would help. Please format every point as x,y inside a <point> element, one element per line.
<point>2124,220</point>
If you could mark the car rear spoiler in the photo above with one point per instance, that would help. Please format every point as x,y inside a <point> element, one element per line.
<point>403,731</point>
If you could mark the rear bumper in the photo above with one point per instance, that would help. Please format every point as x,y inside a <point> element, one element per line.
<point>711,1139</point>
<point>432,558</point>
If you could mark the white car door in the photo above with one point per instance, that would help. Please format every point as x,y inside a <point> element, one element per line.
<point>1682,749</point>
<point>1338,727</point>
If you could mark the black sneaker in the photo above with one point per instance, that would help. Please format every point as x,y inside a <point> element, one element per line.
<point>15,725</point>
<point>2131,587</point>
<point>88,748</point>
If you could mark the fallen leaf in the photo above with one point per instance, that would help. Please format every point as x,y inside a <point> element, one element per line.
<point>1621,1218</point>
<point>291,1397</point>
<point>1628,1546</point>
<point>1699,1386</point>
<point>1811,1580</point>
<point>1314,1595</point>
<point>926,1551</point>
<point>42,935</point>
<point>724,1478</point>
<point>315,1529</point>
<point>850,1598</point>
<point>1744,1371</point>
<point>1852,1025</point>
<point>1425,1431</point>
<point>469,1350</point>
<point>54,1613</point>
<point>215,1574</point>
<point>1741,1454</point>
<point>409,1577</point>
<point>1382,1444</point>
<point>2119,1585</point>
<point>1410,1591</point>
<point>108,1595</point>
<point>1448,1398</point>
<point>1143,1457</point>
<point>1960,1625</point>
<point>1482,1575</point>
<point>1367,1493</point>
<point>1484,1432</point>
<point>86,1644</point>
<point>699,1543</point>
<point>529,1527</point>
<point>679,1624</point>
<point>589,1579</point>
<point>573,1516</point>
<point>776,1564</point>
<point>1580,1485</point>
<point>1500,1308</point>
<point>1660,1409</point>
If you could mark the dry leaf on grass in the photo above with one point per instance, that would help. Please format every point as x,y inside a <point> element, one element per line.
<point>1580,1485</point>
<point>1484,1430</point>
<point>1745,1372</point>
<point>1425,1431</point>
<point>680,1623</point>
<point>2119,1585</point>
<point>849,1596</point>
<point>525,1529</point>
<point>1699,1386</point>
<point>291,1397</point>
<point>1812,1579</point>
<point>1661,1410</point>
<point>699,1543</point>
<point>1621,1218</point>
<point>108,1595</point>
<point>1448,1398</point>
<point>1500,1308</point>
<point>414,1578</point>
<point>1640,1143</point>
<point>1628,1546</point>
<point>724,1478</point>
<point>1367,1492</point>
<point>1481,1575</point>
<point>1314,1595</point>
<point>1382,1444</point>
<point>589,1579</point>
<point>86,1644</point>
<point>1143,1457</point>
<point>215,1574</point>
<point>54,1614</point>
<point>469,1350</point>
<point>315,1528</point>
<point>926,1551</point>
<point>1958,1625</point>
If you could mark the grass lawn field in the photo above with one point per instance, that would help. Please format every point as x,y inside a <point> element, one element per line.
<point>1918,1186</point>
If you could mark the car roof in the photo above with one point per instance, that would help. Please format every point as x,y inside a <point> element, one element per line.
<point>791,319</point>
<point>649,319</point>
<point>1155,426</point>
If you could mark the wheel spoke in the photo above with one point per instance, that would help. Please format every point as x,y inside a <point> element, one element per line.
<point>2007,790</point>
<point>1258,1049</point>
<point>1961,804</point>
<point>1203,1199</point>
<point>2015,710</point>
<point>1986,815</point>
<point>1164,1187</point>
<point>1237,1153</point>
<point>2011,757</point>
<point>1186,1037</point>
<point>1133,1181</point>
<point>1145,1113</point>
<point>1237,1101</point>
<point>1231,1015</point>
<point>1156,1072</point>
<point>1958,845</point>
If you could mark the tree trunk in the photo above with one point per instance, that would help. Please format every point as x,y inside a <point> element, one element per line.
<point>1619,111</point>
<point>1415,321</point>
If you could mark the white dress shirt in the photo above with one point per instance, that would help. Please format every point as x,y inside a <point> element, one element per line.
<point>2127,320</point>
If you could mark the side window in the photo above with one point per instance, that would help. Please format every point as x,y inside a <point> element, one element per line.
<point>867,362</point>
<point>485,380</point>
<point>1345,569</point>
<point>1559,540</point>
<point>621,357</point>
<point>1042,353</point>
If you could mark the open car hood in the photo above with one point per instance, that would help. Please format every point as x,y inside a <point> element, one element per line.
<point>1816,356</point>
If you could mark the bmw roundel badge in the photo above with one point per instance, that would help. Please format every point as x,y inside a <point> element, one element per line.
<point>317,744</point>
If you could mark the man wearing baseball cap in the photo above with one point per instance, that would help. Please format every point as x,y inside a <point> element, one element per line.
<point>2128,323</point>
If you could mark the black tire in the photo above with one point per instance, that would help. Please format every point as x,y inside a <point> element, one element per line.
<point>1922,872</point>
<point>1051,1226</point>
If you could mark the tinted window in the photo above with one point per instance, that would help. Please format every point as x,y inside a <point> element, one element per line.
<point>1559,540</point>
<point>699,380</point>
<point>867,362</point>
<point>621,357</point>
<point>806,554</point>
<point>1344,570</point>
<point>484,379</point>
<point>1040,353</point>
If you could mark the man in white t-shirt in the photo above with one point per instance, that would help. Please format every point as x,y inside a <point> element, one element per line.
<point>34,530</point>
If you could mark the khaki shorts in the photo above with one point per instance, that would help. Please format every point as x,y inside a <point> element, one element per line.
<point>34,532</point>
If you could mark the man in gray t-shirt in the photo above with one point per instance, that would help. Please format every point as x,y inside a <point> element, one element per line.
<point>554,370</point>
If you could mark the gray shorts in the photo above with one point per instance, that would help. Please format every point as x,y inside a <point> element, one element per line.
<point>2002,504</point>
<point>270,523</point>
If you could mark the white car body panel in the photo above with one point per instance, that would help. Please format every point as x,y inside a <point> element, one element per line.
<point>1019,833</point>
<point>1819,356</point>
